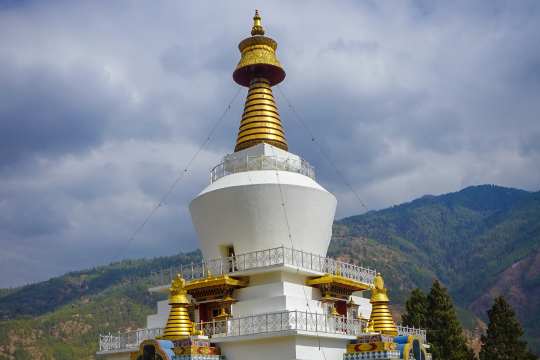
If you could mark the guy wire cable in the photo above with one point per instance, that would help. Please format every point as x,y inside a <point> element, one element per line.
<point>180,177</point>
<point>283,206</point>
<point>320,147</point>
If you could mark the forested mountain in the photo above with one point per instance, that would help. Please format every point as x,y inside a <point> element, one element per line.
<point>62,318</point>
<point>481,242</point>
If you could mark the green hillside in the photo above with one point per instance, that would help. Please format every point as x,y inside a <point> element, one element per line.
<point>481,242</point>
<point>62,318</point>
<point>468,239</point>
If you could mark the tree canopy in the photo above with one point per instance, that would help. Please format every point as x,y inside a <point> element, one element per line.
<point>415,310</point>
<point>435,312</point>
<point>502,340</point>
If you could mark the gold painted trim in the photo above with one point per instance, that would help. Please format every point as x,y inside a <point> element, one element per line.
<point>263,131</point>
<point>216,281</point>
<point>261,137</point>
<point>260,107</point>
<point>330,279</point>
<point>260,116</point>
<point>258,124</point>
<point>257,94</point>
<point>260,101</point>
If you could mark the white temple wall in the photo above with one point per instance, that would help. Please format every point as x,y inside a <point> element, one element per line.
<point>262,305</point>
<point>364,306</point>
<point>293,347</point>
<point>273,293</point>
<point>307,348</point>
<point>270,284</point>
<point>292,299</point>
<point>273,348</point>
<point>159,319</point>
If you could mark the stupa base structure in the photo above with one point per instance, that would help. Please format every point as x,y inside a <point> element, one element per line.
<point>282,303</point>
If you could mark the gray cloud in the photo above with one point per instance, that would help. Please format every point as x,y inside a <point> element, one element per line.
<point>46,112</point>
<point>101,107</point>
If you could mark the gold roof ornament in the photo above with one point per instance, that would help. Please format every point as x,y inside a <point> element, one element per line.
<point>381,318</point>
<point>259,69</point>
<point>179,325</point>
<point>214,287</point>
<point>370,328</point>
<point>338,281</point>
<point>222,315</point>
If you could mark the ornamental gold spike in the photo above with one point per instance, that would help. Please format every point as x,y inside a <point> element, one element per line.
<point>381,319</point>
<point>259,70</point>
<point>179,325</point>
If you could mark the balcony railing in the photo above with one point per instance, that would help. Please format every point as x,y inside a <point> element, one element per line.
<point>282,321</point>
<point>261,259</point>
<point>129,340</point>
<point>246,325</point>
<point>407,330</point>
<point>266,323</point>
<point>261,162</point>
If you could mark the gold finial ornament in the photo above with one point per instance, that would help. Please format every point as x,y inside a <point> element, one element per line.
<point>381,318</point>
<point>369,327</point>
<point>223,315</point>
<point>257,28</point>
<point>259,69</point>
<point>179,325</point>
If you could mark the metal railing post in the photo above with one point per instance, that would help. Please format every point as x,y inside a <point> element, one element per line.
<point>326,323</point>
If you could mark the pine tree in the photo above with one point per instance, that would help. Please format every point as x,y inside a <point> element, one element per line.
<point>444,330</point>
<point>502,340</point>
<point>416,310</point>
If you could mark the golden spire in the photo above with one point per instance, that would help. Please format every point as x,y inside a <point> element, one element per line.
<point>179,324</point>
<point>381,319</point>
<point>259,69</point>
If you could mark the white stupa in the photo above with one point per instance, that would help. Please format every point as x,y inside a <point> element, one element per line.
<point>266,289</point>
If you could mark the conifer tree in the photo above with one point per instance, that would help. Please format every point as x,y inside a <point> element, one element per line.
<point>503,338</point>
<point>444,330</point>
<point>416,310</point>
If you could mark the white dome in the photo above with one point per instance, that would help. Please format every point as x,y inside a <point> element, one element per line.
<point>244,210</point>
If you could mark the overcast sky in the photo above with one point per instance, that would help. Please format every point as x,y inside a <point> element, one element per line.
<point>102,104</point>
